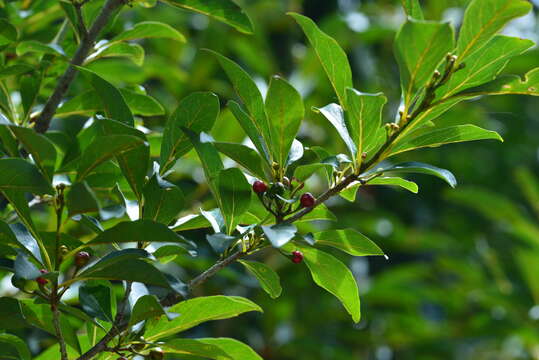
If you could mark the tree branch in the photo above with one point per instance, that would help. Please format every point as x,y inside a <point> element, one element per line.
<point>57,328</point>
<point>42,123</point>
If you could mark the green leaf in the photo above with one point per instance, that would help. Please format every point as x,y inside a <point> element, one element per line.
<point>29,88</point>
<point>483,19</point>
<point>420,47</point>
<point>252,99</point>
<point>321,212</point>
<point>12,341</point>
<point>331,56</point>
<point>219,242</point>
<point>332,275</point>
<point>485,64</point>
<point>196,112</point>
<point>303,172</point>
<point>412,8</point>
<point>279,235</point>
<point>248,158</point>
<point>8,32</point>
<point>150,29</point>
<point>143,231</point>
<point>133,162</point>
<point>416,167</point>
<point>348,240</point>
<point>40,147</point>
<point>32,46</point>
<point>14,70</point>
<point>335,115</point>
<point>114,104</point>
<point>508,84</point>
<point>104,148</point>
<point>268,279</point>
<point>81,199</point>
<point>133,52</point>
<point>95,300</point>
<point>19,175</point>
<point>285,111</point>
<point>395,181</point>
<point>89,103</point>
<point>123,265</point>
<point>223,10</point>
<point>163,200</point>
<point>251,128</point>
<point>235,349</point>
<point>439,137</point>
<point>234,195</point>
<point>364,119</point>
<point>146,307</point>
<point>198,310</point>
<point>209,157</point>
<point>195,347</point>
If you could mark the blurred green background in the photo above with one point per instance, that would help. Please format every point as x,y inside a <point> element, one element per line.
<point>462,279</point>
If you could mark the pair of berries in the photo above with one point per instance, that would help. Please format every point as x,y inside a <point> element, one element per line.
<point>306,200</point>
<point>81,259</point>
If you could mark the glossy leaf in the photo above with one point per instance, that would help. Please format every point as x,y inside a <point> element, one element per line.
<point>133,52</point>
<point>150,29</point>
<point>412,8</point>
<point>334,113</point>
<point>219,242</point>
<point>196,112</point>
<point>508,84</point>
<point>143,231</point>
<point>251,97</point>
<point>285,111</point>
<point>8,32</point>
<point>198,310</point>
<point>332,275</point>
<point>19,175</point>
<point>279,235</point>
<point>420,47</point>
<point>235,349</point>
<point>419,168</point>
<point>448,135</point>
<point>81,199</point>
<point>104,148</point>
<point>268,279</point>
<point>163,201</point>
<point>89,103</point>
<point>95,300</point>
<point>248,158</point>
<point>482,19</point>
<point>349,241</point>
<point>196,348</point>
<point>12,341</point>
<point>364,119</point>
<point>146,307</point>
<point>395,181</point>
<point>331,56</point>
<point>235,196</point>
<point>226,11</point>
<point>33,46</point>
<point>114,104</point>
<point>485,64</point>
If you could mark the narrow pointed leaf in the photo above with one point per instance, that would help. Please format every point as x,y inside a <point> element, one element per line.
<point>226,11</point>
<point>233,348</point>
<point>19,175</point>
<point>331,56</point>
<point>508,84</point>
<point>420,47</point>
<point>150,29</point>
<point>248,158</point>
<point>448,135</point>
<point>483,19</point>
<point>335,115</point>
<point>196,112</point>
<point>194,347</point>
<point>268,279</point>
<point>285,111</point>
<point>198,310</point>
<point>349,241</point>
<point>235,195</point>
<point>419,168</point>
<point>412,8</point>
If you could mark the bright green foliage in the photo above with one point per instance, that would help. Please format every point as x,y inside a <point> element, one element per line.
<point>268,279</point>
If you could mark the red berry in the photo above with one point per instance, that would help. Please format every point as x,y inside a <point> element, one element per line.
<point>43,271</point>
<point>42,281</point>
<point>297,257</point>
<point>259,187</point>
<point>307,200</point>
<point>81,258</point>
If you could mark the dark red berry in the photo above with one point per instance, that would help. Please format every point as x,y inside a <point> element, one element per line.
<point>43,271</point>
<point>41,280</point>
<point>157,355</point>
<point>307,200</point>
<point>259,187</point>
<point>81,258</point>
<point>297,257</point>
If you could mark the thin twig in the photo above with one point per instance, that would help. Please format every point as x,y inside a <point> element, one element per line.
<point>57,327</point>
<point>87,43</point>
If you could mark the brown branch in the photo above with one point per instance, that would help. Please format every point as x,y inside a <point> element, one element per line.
<point>42,123</point>
<point>57,327</point>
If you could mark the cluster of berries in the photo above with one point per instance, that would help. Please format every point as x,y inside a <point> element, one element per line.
<point>306,200</point>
